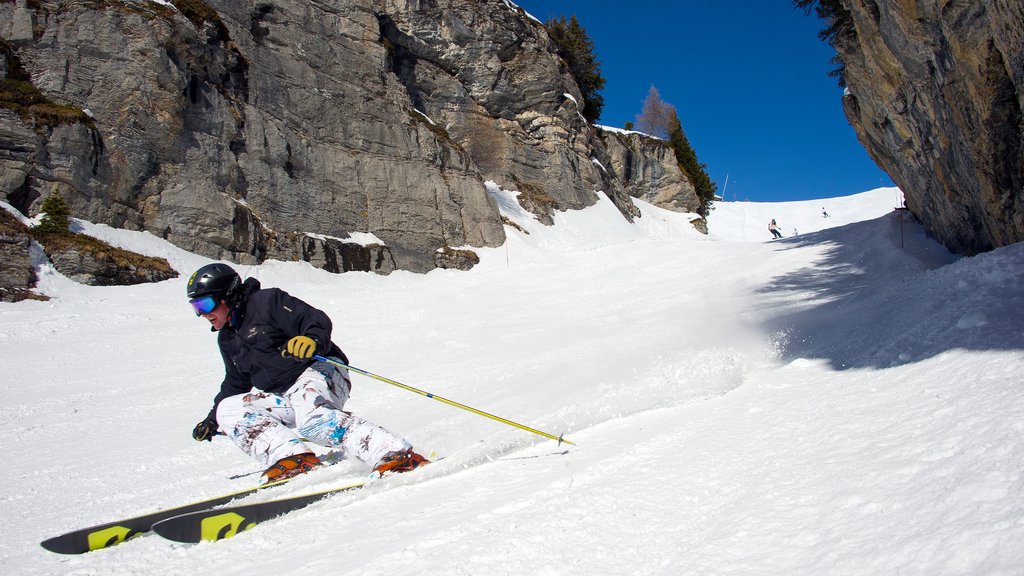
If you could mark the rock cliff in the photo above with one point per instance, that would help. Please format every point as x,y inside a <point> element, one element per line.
<point>647,168</point>
<point>255,130</point>
<point>17,275</point>
<point>936,90</point>
<point>81,258</point>
<point>87,260</point>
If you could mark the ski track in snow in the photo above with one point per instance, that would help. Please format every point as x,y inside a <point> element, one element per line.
<point>841,401</point>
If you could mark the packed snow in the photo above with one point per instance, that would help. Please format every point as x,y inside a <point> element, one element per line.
<point>845,400</point>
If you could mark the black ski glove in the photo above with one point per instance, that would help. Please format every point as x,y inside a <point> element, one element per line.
<point>205,430</point>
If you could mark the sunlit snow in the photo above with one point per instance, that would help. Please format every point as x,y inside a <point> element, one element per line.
<point>845,400</point>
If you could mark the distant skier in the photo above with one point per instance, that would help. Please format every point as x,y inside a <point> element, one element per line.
<point>275,397</point>
<point>824,214</point>
<point>774,229</point>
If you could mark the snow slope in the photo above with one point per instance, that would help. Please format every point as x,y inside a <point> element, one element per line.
<point>748,221</point>
<point>845,401</point>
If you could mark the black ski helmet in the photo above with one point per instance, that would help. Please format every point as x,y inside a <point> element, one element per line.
<point>217,280</point>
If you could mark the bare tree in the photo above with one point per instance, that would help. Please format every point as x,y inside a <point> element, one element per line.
<point>658,117</point>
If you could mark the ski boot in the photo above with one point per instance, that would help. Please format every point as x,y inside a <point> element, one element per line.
<point>290,467</point>
<point>397,462</point>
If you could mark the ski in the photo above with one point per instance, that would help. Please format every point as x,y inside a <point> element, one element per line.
<point>220,523</point>
<point>228,521</point>
<point>111,533</point>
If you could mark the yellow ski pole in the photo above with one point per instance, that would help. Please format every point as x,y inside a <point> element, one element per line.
<point>445,400</point>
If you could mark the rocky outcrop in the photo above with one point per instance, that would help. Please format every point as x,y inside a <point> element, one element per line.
<point>936,92</point>
<point>17,275</point>
<point>487,75</point>
<point>255,130</point>
<point>455,258</point>
<point>87,260</point>
<point>647,168</point>
<point>229,135</point>
<point>81,258</point>
<point>338,255</point>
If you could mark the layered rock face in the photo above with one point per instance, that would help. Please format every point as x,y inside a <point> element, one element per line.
<point>255,130</point>
<point>936,91</point>
<point>647,168</point>
<point>17,275</point>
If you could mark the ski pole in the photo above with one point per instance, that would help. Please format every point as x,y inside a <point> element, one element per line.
<point>445,400</point>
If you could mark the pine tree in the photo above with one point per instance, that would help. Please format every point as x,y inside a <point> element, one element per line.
<point>839,29</point>
<point>694,170</point>
<point>56,217</point>
<point>659,118</point>
<point>575,47</point>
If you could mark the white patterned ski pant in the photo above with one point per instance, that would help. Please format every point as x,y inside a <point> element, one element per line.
<point>269,427</point>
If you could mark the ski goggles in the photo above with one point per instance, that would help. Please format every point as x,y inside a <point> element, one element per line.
<point>204,305</point>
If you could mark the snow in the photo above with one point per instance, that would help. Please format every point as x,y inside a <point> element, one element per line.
<point>21,217</point>
<point>843,401</point>
<point>165,3</point>
<point>360,238</point>
<point>748,221</point>
<point>516,8</point>
<point>425,117</point>
<point>627,132</point>
<point>572,99</point>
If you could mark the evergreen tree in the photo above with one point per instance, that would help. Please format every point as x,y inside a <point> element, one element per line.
<point>56,217</point>
<point>575,47</point>
<point>659,118</point>
<point>839,29</point>
<point>694,170</point>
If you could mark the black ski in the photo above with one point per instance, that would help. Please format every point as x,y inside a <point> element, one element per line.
<point>221,523</point>
<point>107,535</point>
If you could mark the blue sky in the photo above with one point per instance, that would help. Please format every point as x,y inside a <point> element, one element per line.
<point>749,80</point>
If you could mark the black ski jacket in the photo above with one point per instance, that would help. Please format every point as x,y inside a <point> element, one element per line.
<point>251,343</point>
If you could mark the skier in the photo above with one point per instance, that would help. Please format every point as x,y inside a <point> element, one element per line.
<point>275,396</point>
<point>824,214</point>
<point>774,229</point>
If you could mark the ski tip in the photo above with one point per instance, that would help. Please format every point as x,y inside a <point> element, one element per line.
<point>58,546</point>
<point>90,539</point>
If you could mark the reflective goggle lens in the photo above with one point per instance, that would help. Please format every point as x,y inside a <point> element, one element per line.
<point>203,305</point>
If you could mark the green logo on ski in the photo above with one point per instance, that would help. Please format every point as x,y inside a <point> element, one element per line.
<point>223,526</point>
<point>108,537</point>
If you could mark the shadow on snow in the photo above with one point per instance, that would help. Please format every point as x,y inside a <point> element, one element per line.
<point>884,294</point>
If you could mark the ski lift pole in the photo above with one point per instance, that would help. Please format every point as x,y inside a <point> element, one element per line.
<point>560,439</point>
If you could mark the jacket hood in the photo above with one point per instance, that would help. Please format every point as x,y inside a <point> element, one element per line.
<point>238,310</point>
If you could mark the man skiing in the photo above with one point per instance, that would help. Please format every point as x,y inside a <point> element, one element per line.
<point>275,396</point>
